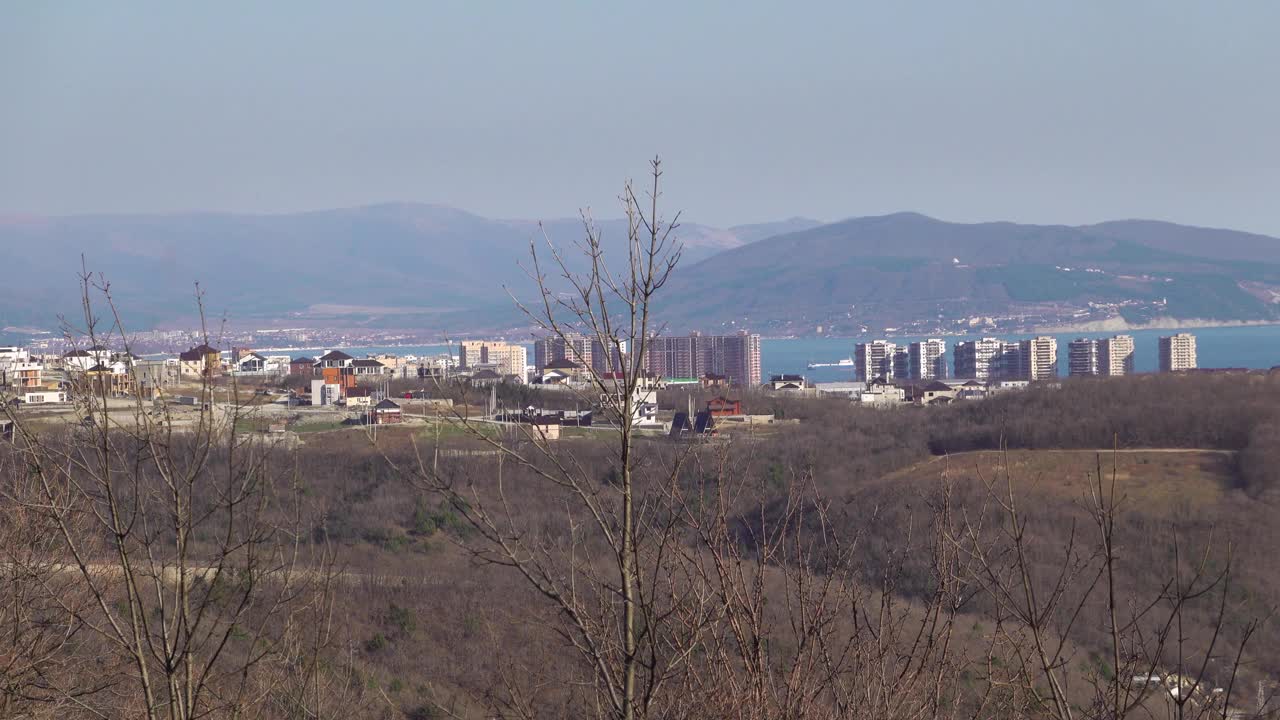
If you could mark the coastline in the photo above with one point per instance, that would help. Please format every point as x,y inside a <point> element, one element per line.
<point>1119,324</point>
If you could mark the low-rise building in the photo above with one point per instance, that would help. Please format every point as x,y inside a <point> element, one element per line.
<point>933,393</point>
<point>334,359</point>
<point>81,360</point>
<point>849,390</point>
<point>359,397</point>
<point>200,362</point>
<point>250,363</point>
<point>387,412</point>
<point>724,407</point>
<point>788,383</point>
<point>44,396</point>
<point>880,393</point>
<point>302,366</point>
<point>325,393</point>
<point>26,374</point>
<point>367,367</point>
<point>113,381</point>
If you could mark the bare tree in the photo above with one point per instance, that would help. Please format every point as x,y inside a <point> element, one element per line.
<point>1154,667</point>
<point>682,585</point>
<point>178,542</point>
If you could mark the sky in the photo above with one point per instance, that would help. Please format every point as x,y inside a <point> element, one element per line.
<point>1069,112</point>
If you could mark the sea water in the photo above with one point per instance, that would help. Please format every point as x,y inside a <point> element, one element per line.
<point>1252,346</point>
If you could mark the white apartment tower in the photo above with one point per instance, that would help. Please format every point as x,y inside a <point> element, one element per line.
<point>1178,352</point>
<point>874,359</point>
<point>1039,358</point>
<point>927,359</point>
<point>1115,355</point>
<point>975,359</point>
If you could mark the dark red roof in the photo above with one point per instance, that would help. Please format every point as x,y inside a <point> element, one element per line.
<point>197,353</point>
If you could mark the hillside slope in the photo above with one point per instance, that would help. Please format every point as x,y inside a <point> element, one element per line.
<point>894,270</point>
<point>394,264</point>
<point>429,266</point>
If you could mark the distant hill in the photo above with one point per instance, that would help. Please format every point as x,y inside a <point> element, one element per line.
<point>436,267</point>
<point>896,269</point>
<point>390,265</point>
<point>760,231</point>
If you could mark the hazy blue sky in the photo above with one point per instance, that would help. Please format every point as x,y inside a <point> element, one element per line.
<point>1033,111</point>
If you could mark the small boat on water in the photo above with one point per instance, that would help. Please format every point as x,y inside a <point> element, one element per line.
<point>843,362</point>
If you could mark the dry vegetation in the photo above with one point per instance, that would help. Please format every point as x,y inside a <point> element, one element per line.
<point>979,560</point>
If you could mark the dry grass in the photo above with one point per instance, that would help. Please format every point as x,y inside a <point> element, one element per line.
<point>1153,481</point>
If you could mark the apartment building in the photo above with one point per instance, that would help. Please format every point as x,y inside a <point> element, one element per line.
<point>874,360</point>
<point>580,349</point>
<point>927,360</point>
<point>991,360</point>
<point>736,357</point>
<point>1178,352</point>
<point>506,358</point>
<point>1038,358</point>
<point>901,364</point>
<point>1082,357</point>
<point>979,359</point>
<point>1115,355</point>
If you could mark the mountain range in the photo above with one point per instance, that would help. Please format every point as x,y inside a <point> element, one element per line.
<point>430,266</point>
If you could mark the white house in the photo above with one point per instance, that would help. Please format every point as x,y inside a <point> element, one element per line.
<point>43,396</point>
<point>359,397</point>
<point>250,364</point>
<point>278,364</point>
<point>84,359</point>
<point>323,393</point>
<point>644,399</point>
<point>367,367</point>
<point>882,394</point>
<point>25,375</point>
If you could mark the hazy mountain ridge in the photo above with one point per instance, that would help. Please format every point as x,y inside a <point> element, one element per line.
<point>434,266</point>
<point>896,269</point>
<point>421,263</point>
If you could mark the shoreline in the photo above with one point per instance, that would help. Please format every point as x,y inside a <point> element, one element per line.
<point>1122,325</point>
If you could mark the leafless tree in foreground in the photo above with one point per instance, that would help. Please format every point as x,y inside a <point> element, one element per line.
<point>178,544</point>
<point>682,585</point>
<point>1154,666</point>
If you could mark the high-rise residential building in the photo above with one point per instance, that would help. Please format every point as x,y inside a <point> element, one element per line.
<point>1082,357</point>
<point>927,359</point>
<point>901,364</point>
<point>1038,358</point>
<point>737,357</point>
<point>1115,355</point>
<point>1178,352</point>
<point>507,358</point>
<point>742,359</point>
<point>975,358</point>
<point>990,359</point>
<point>586,351</point>
<point>1010,362</point>
<point>874,360</point>
<point>672,357</point>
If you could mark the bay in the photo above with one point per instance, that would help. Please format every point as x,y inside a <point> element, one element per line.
<point>1253,346</point>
